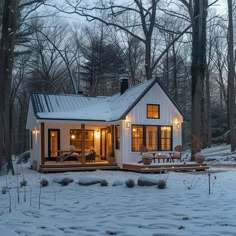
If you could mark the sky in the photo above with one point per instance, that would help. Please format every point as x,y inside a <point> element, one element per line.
<point>220,7</point>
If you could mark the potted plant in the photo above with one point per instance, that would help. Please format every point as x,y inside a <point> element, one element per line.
<point>111,157</point>
<point>199,158</point>
<point>147,158</point>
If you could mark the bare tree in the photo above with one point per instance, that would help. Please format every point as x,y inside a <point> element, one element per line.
<point>145,21</point>
<point>231,78</point>
<point>9,26</point>
<point>10,23</point>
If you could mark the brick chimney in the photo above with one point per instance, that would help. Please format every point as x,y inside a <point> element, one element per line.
<point>123,85</point>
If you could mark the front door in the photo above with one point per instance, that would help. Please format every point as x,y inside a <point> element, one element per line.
<point>53,142</point>
<point>106,142</point>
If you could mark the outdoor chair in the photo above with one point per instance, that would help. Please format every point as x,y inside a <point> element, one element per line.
<point>177,154</point>
<point>90,156</point>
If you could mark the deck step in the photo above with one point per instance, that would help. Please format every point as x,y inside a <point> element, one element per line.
<point>81,168</point>
<point>170,167</point>
<point>186,168</point>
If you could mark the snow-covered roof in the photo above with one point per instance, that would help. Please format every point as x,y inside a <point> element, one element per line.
<point>80,107</point>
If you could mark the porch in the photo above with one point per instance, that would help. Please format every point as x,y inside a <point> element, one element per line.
<point>75,144</point>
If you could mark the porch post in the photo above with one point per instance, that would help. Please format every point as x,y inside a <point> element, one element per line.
<point>83,142</point>
<point>42,144</point>
<point>112,138</point>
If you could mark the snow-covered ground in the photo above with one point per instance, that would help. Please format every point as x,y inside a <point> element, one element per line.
<point>185,207</point>
<point>220,154</point>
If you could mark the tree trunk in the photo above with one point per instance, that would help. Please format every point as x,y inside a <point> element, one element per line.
<point>231,72</point>
<point>175,85</point>
<point>208,109</point>
<point>148,69</point>
<point>6,62</point>
<point>198,71</point>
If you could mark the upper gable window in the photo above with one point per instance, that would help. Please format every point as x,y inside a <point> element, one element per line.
<point>153,111</point>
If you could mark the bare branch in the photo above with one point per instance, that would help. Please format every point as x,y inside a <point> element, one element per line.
<point>170,44</point>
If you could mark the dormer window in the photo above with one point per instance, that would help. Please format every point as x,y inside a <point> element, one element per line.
<point>153,111</point>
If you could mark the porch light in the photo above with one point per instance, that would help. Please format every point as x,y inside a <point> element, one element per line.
<point>127,122</point>
<point>176,123</point>
<point>97,133</point>
<point>35,131</point>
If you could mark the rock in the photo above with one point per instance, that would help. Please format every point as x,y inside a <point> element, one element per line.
<point>117,182</point>
<point>109,232</point>
<point>181,227</point>
<point>90,180</point>
<point>63,181</point>
<point>147,181</point>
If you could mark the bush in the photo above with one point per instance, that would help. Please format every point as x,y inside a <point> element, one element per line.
<point>4,190</point>
<point>44,183</point>
<point>23,183</point>
<point>130,183</point>
<point>161,184</point>
<point>104,183</point>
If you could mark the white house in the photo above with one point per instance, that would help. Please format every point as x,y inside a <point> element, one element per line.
<point>112,125</point>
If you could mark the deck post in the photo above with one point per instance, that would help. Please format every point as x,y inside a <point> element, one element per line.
<point>83,143</point>
<point>112,139</point>
<point>42,144</point>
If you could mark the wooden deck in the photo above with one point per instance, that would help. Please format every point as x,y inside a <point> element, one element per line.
<point>50,167</point>
<point>73,166</point>
<point>165,167</point>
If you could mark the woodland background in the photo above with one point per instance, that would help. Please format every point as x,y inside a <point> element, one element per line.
<point>87,46</point>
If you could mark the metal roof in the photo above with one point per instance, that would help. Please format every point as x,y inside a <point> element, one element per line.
<point>100,108</point>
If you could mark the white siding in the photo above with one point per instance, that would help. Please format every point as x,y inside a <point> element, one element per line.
<point>35,152</point>
<point>168,113</point>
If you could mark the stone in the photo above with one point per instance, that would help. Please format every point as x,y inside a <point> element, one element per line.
<point>117,182</point>
<point>90,180</point>
<point>147,181</point>
<point>63,181</point>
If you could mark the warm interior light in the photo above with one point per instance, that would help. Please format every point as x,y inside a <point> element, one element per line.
<point>97,133</point>
<point>52,134</point>
<point>72,136</point>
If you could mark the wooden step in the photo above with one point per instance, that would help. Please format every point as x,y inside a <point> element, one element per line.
<point>186,168</point>
<point>167,167</point>
<point>76,168</point>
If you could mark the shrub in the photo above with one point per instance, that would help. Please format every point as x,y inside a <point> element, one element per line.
<point>4,190</point>
<point>104,183</point>
<point>161,184</point>
<point>130,183</point>
<point>44,183</point>
<point>23,183</point>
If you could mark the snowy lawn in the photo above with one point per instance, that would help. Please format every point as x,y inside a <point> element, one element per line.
<point>183,208</point>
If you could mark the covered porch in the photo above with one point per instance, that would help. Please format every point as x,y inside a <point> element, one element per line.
<point>93,144</point>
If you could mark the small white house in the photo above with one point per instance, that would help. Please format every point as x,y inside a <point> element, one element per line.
<point>110,125</point>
